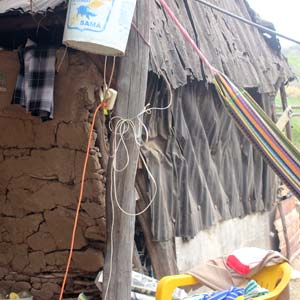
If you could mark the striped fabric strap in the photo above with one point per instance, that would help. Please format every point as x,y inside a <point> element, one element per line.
<point>255,124</point>
<point>230,294</point>
<point>280,154</point>
<point>253,290</point>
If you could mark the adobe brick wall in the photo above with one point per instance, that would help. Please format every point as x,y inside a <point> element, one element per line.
<point>40,173</point>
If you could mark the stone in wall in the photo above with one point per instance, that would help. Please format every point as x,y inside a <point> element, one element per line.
<point>74,135</point>
<point>37,262</point>
<point>93,209</point>
<point>3,272</point>
<point>26,195</point>
<point>47,291</point>
<point>95,233</point>
<point>20,258</point>
<point>18,135</point>
<point>89,260</point>
<point>17,230</point>
<point>42,240</point>
<point>44,134</point>
<point>60,221</point>
<point>6,255</point>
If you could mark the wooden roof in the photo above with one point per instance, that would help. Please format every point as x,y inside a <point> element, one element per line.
<point>233,47</point>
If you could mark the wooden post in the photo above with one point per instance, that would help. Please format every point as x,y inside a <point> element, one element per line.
<point>162,254</point>
<point>289,135</point>
<point>131,87</point>
<point>284,107</point>
<point>284,227</point>
<point>136,261</point>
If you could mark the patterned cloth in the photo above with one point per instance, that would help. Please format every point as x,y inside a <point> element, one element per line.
<point>230,294</point>
<point>253,290</point>
<point>35,83</point>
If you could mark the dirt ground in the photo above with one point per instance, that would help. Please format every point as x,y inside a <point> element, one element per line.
<point>295,282</point>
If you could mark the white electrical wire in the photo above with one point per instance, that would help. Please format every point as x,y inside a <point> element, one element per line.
<point>62,59</point>
<point>124,126</point>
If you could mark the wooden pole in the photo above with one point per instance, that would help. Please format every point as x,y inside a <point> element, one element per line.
<point>131,87</point>
<point>284,228</point>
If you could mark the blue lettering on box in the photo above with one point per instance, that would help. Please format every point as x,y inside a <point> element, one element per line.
<point>89,15</point>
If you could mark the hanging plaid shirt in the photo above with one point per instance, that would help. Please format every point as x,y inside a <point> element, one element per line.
<point>35,83</point>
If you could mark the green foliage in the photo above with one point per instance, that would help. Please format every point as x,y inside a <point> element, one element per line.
<point>293,56</point>
<point>295,124</point>
<point>295,121</point>
<point>293,90</point>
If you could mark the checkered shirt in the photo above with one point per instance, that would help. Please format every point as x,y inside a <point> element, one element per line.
<point>35,83</point>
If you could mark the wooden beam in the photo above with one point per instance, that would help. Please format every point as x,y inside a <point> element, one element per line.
<point>162,254</point>
<point>9,23</point>
<point>131,86</point>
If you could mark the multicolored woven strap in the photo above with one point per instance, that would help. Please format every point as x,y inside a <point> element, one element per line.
<point>277,150</point>
<point>275,147</point>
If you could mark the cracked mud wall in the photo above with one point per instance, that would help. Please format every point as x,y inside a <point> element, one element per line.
<point>40,173</point>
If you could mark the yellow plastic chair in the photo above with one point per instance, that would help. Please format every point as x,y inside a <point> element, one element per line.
<point>274,278</point>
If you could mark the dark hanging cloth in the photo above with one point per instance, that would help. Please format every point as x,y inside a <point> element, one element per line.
<point>35,83</point>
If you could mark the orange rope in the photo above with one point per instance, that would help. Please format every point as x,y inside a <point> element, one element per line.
<point>102,104</point>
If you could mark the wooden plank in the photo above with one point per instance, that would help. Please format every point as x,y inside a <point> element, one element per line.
<point>131,86</point>
<point>293,227</point>
<point>287,224</point>
<point>289,205</point>
<point>294,242</point>
<point>284,119</point>
<point>284,107</point>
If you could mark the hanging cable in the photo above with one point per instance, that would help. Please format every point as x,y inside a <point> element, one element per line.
<point>101,105</point>
<point>228,13</point>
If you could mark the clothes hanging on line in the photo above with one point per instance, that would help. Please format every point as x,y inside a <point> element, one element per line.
<point>35,83</point>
